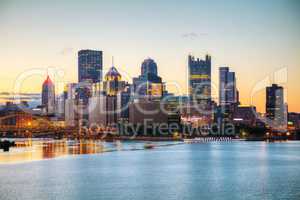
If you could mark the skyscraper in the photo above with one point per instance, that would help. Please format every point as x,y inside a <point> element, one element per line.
<point>228,96</point>
<point>106,103</point>
<point>148,83</point>
<point>90,66</point>
<point>123,101</point>
<point>71,114</point>
<point>48,96</point>
<point>149,66</point>
<point>227,87</point>
<point>200,80</point>
<point>275,107</point>
<point>113,82</point>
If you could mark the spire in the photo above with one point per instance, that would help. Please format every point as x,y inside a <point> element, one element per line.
<point>48,81</point>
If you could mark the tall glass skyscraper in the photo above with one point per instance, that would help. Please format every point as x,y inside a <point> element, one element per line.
<point>149,66</point>
<point>227,87</point>
<point>275,107</point>
<point>200,79</point>
<point>90,66</point>
<point>228,95</point>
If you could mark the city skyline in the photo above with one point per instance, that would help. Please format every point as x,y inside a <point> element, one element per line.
<point>191,99</point>
<point>254,55</point>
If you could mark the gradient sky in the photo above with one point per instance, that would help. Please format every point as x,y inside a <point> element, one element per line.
<point>255,38</point>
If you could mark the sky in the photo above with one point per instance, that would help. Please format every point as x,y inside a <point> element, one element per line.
<point>258,39</point>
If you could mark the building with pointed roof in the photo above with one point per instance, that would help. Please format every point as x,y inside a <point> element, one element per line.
<point>48,96</point>
<point>113,82</point>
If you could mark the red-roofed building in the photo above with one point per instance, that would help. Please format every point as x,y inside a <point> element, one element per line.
<point>48,96</point>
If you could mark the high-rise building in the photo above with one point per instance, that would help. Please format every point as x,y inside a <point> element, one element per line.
<point>70,90</point>
<point>227,87</point>
<point>200,80</point>
<point>228,96</point>
<point>90,66</point>
<point>48,96</point>
<point>60,106</point>
<point>275,106</point>
<point>149,66</point>
<point>71,117</point>
<point>113,82</point>
<point>148,83</point>
<point>105,105</point>
<point>76,103</point>
<point>123,100</point>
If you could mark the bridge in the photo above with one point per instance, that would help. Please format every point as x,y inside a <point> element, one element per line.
<point>26,125</point>
<point>37,127</point>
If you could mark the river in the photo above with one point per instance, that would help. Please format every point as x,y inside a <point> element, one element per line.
<point>93,170</point>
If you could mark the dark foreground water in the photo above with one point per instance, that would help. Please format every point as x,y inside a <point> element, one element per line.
<point>233,170</point>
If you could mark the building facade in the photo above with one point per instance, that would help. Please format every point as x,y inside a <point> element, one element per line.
<point>102,110</point>
<point>106,103</point>
<point>123,101</point>
<point>71,118</point>
<point>148,84</point>
<point>200,80</point>
<point>113,82</point>
<point>48,96</point>
<point>149,66</point>
<point>294,120</point>
<point>275,106</point>
<point>227,87</point>
<point>90,66</point>
<point>228,94</point>
<point>245,115</point>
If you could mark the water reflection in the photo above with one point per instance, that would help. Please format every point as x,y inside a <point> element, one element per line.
<point>38,149</point>
<point>30,150</point>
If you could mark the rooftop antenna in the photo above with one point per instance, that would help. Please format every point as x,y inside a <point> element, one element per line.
<point>112,61</point>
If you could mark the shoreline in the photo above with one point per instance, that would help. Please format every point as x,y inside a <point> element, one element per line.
<point>154,139</point>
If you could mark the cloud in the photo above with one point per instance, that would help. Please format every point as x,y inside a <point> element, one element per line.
<point>192,35</point>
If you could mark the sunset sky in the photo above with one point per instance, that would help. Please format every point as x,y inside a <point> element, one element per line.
<point>258,39</point>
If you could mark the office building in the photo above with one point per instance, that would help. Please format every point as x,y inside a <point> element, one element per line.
<point>123,101</point>
<point>245,115</point>
<point>106,103</point>
<point>275,106</point>
<point>148,84</point>
<point>90,66</point>
<point>113,82</point>
<point>48,96</point>
<point>103,110</point>
<point>227,87</point>
<point>149,66</point>
<point>200,80</point>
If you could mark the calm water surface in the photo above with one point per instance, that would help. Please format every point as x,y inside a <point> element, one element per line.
<point>94,170</point>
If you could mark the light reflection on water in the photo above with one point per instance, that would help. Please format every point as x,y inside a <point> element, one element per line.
<point>214,170</point>
<point>27,150</point>
<point>31,150</point>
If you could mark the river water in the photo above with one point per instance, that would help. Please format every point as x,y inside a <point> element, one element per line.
<point>93,170</point>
